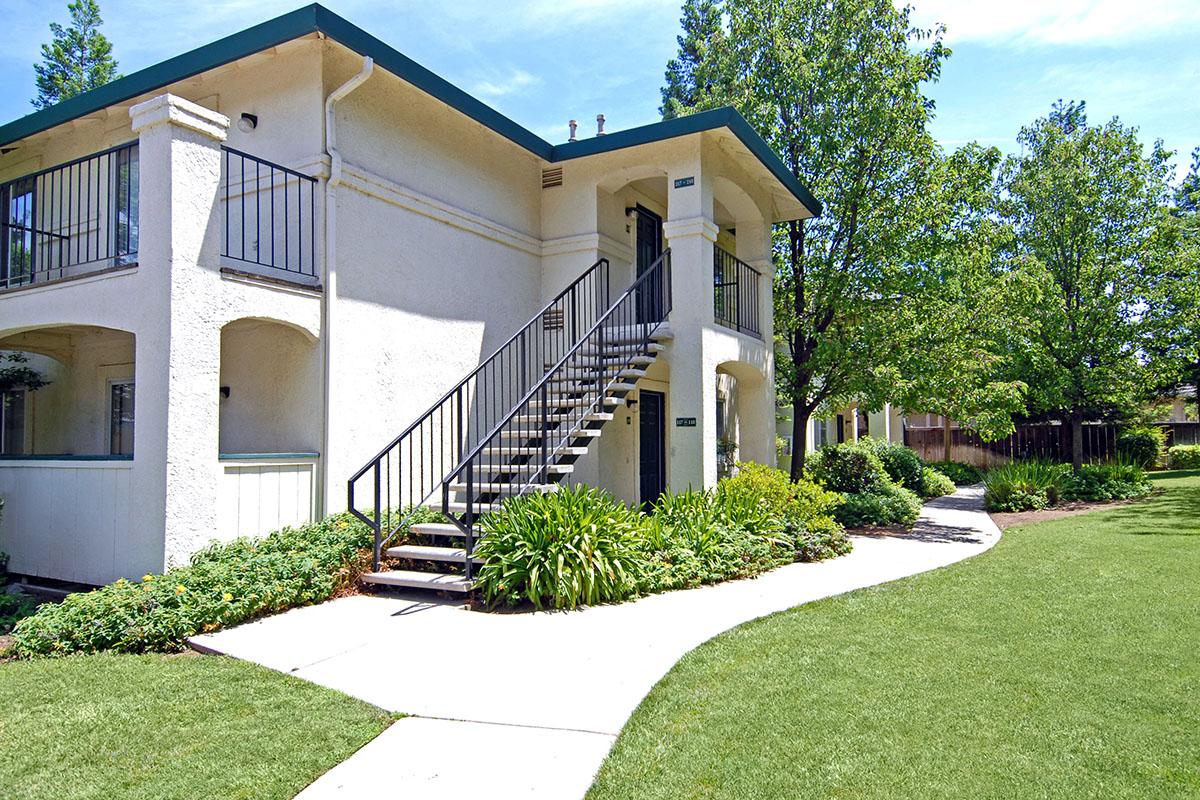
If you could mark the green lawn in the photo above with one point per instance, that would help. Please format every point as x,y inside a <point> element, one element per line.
<point>169,727</point>
<point>1063,663</point>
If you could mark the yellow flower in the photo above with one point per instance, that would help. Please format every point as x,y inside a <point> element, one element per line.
<point>227,597</point>
<point>147,577</point>
<point>180,589</point>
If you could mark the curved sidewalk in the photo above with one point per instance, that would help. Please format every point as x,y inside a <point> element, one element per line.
<point>528,705</point>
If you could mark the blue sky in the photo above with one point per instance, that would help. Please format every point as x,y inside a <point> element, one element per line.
<point>543,62</point>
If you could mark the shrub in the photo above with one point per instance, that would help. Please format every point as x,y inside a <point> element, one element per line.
<point>890,504</point>
<point>962,474</point>
<point>805,508</point>
<point>1105,482</point>
<point>1142,446</point>
<point>1025,485</point>
<point>901,463</point>
<point>850,468</point>
<point>936,484</point>
<point>692,538</point>
<point>223,585</point>
<point>1184,456</point>
<point>577,545</point>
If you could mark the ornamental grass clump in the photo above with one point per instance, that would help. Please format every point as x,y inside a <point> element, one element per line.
<point>1025,485</point>
<point>576,546</point>
<point>224,584</point>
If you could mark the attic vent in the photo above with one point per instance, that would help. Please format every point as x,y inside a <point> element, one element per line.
<point>551,177</point>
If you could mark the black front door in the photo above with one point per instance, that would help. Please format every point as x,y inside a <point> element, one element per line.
<point>649,249</point>
<point>652,456</point>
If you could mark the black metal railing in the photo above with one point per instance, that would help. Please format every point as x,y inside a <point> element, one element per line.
<point>270,215</point>
<point>545,428</point>
<point>412,468</point>
<point>736,300</point>
<point>71,219</point>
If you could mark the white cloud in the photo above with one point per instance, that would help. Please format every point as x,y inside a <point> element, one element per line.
<point>1058,22</point>
<point>499,85</point>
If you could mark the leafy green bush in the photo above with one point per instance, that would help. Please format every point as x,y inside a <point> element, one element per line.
<point>566,548</point>
<point>1184,456</point>
<point>902,464</point>
<point>1025,485</point>
<point>962,474</point>
<point>805,509</point>
<point>692,538</point>
<point>13,609</point>
<point>936,483</point>
<point>1105,482</point>
<point>889,504</point>
<point>851,468</point>
<point>223,585</point>
<point>1142,446</point>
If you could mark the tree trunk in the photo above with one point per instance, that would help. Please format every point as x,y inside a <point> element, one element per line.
<point>800,419</point>
<point>1076,441</point>
<point>946,439</point>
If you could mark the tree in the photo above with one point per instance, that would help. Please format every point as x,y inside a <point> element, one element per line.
<point>697,74</point>
<point>835,86</point>
<point>78,59</point>
<point>1086,207</point>
<point>958,330</point>
<point>1171,337</point>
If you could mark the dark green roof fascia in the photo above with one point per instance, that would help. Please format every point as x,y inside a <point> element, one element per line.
<point>292,25</point>
<point>727,117</point>
<point>314,18</point>
<point>398,64</point>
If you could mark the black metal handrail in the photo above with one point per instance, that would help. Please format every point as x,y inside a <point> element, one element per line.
<point>270,214</point>
<point>410,470</point>
<point>522,447</point>
<point>71,219</point>
<point>736,300</point>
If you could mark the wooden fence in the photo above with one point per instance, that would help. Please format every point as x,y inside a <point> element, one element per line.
<point>1047,441</point>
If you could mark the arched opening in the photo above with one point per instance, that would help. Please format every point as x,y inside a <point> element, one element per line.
<point>269,429</point>
<point>745,420</point>
<point>67,391</point>
<point>270,388</point>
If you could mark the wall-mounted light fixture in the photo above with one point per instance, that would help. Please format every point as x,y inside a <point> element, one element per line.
<point>631,402</point>
<point>225,392</point>
<point>247,123</point>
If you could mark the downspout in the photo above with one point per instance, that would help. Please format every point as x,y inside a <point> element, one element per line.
<point>330,295</point>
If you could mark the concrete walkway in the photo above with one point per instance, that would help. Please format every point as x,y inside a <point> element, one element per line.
<point>528,705</point>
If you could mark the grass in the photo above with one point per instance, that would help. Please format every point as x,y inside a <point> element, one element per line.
<point>109,726</point>
<point>1062,663</point>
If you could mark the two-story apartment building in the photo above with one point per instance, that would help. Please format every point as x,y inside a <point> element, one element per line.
<point>248,270</point>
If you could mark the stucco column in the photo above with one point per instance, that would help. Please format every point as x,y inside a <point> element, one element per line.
<point>693,388</point>
<point>178,364</point>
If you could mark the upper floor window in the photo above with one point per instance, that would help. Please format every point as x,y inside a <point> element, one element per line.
<point>12,422</point>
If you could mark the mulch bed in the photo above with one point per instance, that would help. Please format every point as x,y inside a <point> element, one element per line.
<point>1012,519</point>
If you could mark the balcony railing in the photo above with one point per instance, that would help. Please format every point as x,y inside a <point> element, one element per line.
<point>270,217</point>
<point>736,298</point>
<point>69,220</point>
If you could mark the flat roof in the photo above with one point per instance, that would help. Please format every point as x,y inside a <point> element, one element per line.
<point>316,18</point>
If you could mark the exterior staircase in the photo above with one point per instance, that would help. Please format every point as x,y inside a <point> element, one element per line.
<point>517,424</point>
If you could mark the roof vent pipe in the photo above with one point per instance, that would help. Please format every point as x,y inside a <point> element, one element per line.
<point>599,124</point>
<point>572,125</point>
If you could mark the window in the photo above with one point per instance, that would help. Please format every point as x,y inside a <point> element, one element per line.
<point>120,418</point>
<point>124,205</point>
<point>820,433</point>
<point>12,422</point>
<point>16,246</point>
<point>785,445</point>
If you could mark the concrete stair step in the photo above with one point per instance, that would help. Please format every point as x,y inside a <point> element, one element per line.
<point>523,450</point>
<point>575,402</point>
<point>505,488</point>
<point>480,508</point>
<point>420,552</point>
<point>523,469</point>
<point>410,579</point>
<point>594,416</point>
<point>525,435</point>
<point>435,529</point>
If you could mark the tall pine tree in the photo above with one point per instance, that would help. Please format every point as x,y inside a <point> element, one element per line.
<point>695,76</point>
<point>78,59</point>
